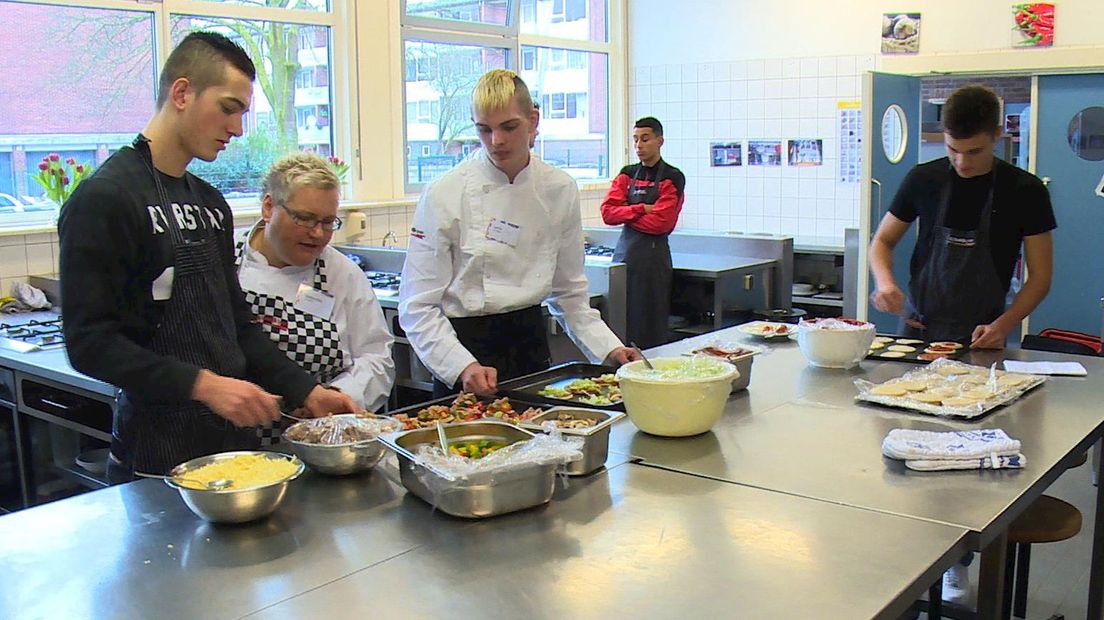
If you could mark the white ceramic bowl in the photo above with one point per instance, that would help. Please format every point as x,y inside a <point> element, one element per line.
<point>834,348</point>
<point>675,407</point>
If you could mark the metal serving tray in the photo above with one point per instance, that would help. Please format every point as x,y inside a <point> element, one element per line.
<point>528,388</point>
<point>911,357</point>
<point>595,438</point>
<point>519,404</point>
<point>482,495</point>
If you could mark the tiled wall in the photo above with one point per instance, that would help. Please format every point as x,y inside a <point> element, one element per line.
<point>768,99</point>
<point>23,255</point>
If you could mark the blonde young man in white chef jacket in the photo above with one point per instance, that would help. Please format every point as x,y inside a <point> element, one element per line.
<point>311,300</point>
<point>491,240</point>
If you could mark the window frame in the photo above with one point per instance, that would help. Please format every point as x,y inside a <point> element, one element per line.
<point>163,12</point>
<point>510,36</point>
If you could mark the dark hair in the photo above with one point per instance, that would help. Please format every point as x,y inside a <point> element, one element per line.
<point>971,110</point>
<point>202,58</point>
<point>650,122</point>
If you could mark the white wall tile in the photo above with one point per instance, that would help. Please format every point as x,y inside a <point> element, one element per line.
<point>13,261</point>
<point>772,68</point>
<point>9,240</point>
<point>755,69</point>
<point>40,259</point>
<point>826,66</point>
<point>810,67</point>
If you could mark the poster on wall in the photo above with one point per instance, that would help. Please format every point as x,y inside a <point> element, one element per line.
<point>901,33</point>
<point>1033,24</point>
<point>764,153</point>
<point>805,152</point>
<point>850,141</point>
<point>725,154</point>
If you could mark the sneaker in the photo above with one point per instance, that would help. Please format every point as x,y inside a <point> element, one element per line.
<point>956,584</point>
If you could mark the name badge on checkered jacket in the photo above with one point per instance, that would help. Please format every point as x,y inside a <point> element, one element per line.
<point>310,341</point>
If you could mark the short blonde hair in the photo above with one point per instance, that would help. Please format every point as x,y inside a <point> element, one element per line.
<point>497,88</point>
<point>297,170</point>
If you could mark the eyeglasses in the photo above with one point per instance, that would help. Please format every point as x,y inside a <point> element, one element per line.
<point>329,224</point>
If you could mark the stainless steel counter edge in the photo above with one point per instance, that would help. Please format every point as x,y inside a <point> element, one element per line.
<point>53,364</point>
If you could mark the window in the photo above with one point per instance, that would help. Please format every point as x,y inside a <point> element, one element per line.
<point>238,171</point>
<point>494,12</point>
<point>568,75</point>
<point>442,114</point>
<point>556,58</point>
<point>566,19</point>
<point>92,107</point>
<point>575,107</point>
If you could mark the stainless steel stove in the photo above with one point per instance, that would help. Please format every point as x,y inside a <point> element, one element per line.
<point>595,253</point>
<point>384,283</point>
<point>33,335</point>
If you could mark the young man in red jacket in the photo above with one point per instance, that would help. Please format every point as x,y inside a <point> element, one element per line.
<point>647,198</point>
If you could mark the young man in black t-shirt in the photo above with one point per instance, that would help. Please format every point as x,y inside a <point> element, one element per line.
<point>975,211</point>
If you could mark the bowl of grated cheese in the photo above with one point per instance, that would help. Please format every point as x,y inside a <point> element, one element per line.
<point>258,483</point>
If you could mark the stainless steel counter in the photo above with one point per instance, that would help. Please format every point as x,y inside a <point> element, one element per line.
<point>50,363</point>
<point>640,542</point>
<point>712,266</point>
<point>799,430</point>
<point>633,540</point>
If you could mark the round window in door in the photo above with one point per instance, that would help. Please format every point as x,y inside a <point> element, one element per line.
<point>894,133</point>
<point>1086,133</point>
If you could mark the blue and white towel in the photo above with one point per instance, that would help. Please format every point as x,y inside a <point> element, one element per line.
<point>933,451</point>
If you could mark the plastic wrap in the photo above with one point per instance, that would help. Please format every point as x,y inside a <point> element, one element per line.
<point>551,449</point>
<point>949,388</point>
<point>340,430</point>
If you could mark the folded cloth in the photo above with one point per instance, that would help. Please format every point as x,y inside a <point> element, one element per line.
<point>1074,369</point>
<point>914,445</point>
<point>24,298</point>
<point>993,461</point>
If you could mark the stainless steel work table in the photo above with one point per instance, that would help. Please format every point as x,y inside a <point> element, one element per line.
<point>634,540</point>
<point>720,270</point>
<point>640,542</point>
<point>136,551</point>
<point>798,430</point>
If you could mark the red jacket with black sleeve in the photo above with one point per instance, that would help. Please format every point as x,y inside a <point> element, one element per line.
<point>662,219</point>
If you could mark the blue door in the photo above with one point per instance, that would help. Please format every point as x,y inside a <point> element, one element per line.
<point>897,92</point>
<point>1078,284</point>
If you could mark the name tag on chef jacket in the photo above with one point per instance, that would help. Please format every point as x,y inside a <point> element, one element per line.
<point>503,232</point>
<point>313,301</point>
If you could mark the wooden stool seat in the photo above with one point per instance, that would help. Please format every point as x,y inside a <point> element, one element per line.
<point>1047,519</point>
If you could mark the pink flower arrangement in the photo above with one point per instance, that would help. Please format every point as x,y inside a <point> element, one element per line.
<point>59,178</point>
<point>340,168</point>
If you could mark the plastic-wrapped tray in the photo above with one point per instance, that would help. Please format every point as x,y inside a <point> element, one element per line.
<point>949,388</point>
<point>913,350</point>
<point>529,387</point>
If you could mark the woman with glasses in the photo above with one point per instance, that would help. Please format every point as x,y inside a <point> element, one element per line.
<point>313,302</point>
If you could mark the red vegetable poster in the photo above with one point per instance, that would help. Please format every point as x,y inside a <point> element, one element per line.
<point>1033,24</point>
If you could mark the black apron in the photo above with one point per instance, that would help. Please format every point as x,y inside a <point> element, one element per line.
<point>198,328</point>
<point>647,261</point>
<point>310,341</point>
<point>958,288</point>
<point>513,343</point>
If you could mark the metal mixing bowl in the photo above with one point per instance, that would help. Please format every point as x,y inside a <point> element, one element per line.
<point>341,459</point>
<point>233,505</point>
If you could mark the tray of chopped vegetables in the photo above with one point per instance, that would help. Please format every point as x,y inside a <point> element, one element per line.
<point>588,385</point>
<point>465,407</point>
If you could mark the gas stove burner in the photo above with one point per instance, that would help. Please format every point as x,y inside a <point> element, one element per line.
<point>383,280</point>
<point>42,334</point>
<point>597,250</point>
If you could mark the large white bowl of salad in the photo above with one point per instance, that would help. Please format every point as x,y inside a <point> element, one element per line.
<point>682,396</point>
